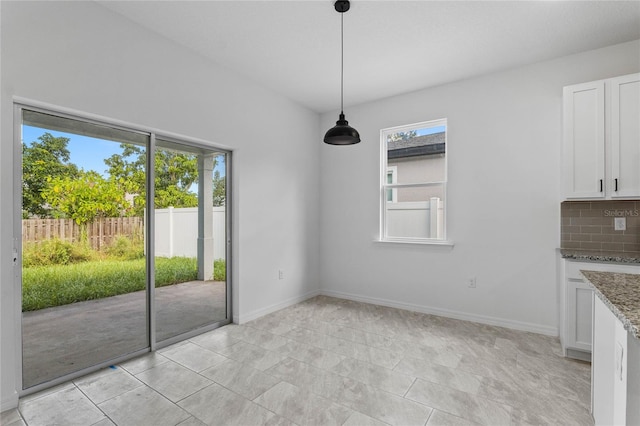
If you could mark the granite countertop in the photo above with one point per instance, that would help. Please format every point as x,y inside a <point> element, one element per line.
<point>601,256</point>
<point>621,293</point>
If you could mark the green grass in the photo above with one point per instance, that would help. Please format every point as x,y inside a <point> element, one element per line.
<point>48,286</point>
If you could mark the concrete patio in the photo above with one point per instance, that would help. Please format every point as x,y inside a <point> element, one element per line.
<point>57,341</point>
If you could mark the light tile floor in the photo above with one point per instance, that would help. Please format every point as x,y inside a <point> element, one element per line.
<point>328,361</point>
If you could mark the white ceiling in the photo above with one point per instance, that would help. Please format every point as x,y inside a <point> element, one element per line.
<point>391,47</point>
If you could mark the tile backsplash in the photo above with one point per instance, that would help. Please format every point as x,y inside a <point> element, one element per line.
<point>589,225</point>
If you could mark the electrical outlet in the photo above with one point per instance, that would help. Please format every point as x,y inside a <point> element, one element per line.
<point>280,274</point>
<point>471,282</point>
<point>620,223</point>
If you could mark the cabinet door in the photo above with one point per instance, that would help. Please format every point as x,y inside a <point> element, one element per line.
<point>584,140</point>
<point>633,380</point>
<point>603,364</point>
<point>625,135</point>
<point>579,314</point>
<point>620,375</point>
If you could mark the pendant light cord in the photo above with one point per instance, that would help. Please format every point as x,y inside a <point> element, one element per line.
<point>342,62</point>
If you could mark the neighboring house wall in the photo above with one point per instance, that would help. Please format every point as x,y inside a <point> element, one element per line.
<point>504,137</point>
<point>419,169</point>
<point>82,56</point>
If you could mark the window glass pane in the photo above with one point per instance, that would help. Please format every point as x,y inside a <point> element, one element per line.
<point>190,238</point>
<point>391,193</point>
<point>419,193</point>
<point>83,257</point>
<point>421,217</point>
<point>419,155</point>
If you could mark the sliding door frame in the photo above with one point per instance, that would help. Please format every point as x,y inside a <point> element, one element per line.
<point>20,104</point>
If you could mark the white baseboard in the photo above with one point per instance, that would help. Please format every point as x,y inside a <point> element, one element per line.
<point>249,316</point>
<point>482,319</point>
<point>9,402</point>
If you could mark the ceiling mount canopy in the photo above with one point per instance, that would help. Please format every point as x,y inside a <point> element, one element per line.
<point>342,133</point>
<point>342,6</point>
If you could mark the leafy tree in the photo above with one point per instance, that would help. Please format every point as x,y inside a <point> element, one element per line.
<point>219,189</point>
<point>42,160</point>
<point>175,173</point>
<point>128,174</point>
<point>176,170</point>
<point>173,196</point>
<point>85,198</point>
<point>401,136</point>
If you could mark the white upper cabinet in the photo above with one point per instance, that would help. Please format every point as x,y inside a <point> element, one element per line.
<point>584,140</point>
<point>601,147</point>
<point>625,135</point>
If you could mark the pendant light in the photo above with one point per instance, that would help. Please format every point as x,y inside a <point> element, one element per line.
<point>342,133</point>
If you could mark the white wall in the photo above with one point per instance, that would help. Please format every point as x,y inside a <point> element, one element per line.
<point>503,148</point>
<point>81,56</point>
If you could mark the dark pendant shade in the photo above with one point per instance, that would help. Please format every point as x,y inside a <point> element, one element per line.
<point>342,133</point>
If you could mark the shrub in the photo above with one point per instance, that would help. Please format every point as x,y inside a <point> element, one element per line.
<point>56,252</point>
<point>219,270</point>
<point>82,252</point>
<point>49,252</point>
<point>125,248</point>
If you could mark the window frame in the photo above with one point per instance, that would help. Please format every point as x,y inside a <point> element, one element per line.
<point>393,170</point>
<point>385,187</point>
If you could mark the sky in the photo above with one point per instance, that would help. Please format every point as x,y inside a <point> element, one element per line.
<point>430,130</point>
<point>86,152</point>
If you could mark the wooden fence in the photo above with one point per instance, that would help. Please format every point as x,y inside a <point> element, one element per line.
<point>99,233</point>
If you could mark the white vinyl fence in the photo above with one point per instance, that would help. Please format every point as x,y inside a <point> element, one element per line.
<point>177,232</point>
<point>416,219</point>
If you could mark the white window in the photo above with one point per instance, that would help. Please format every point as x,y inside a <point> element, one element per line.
<point>414,182</point>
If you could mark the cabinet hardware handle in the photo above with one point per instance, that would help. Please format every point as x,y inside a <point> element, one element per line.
<point>616,182</point>
<point>600,185</point>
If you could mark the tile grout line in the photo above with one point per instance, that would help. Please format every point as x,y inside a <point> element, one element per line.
<point>430,414</point>
<point>412,383</point>
<point>268,409</point>
<point>330,399</point>
<point>93,403</point>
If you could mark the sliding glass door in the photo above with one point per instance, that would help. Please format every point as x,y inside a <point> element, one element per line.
<point>190,238</point>
<point>123,242</point>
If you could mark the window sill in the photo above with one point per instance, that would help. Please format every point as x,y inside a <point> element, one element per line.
<point>441,243</point>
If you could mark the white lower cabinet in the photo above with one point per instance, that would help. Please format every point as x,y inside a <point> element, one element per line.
<point>576,302</point>
<point>579,296</point>
<point>615,370</point>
